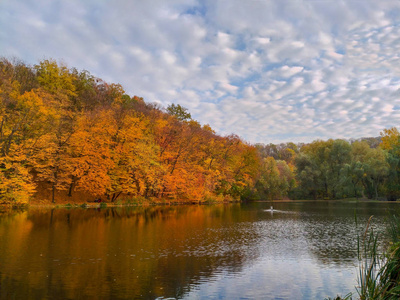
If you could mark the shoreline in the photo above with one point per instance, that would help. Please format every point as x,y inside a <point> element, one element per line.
<point>83,204</point>
<point>49,205</point>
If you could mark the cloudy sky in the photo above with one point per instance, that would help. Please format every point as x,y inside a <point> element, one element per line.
<point>269,71</point>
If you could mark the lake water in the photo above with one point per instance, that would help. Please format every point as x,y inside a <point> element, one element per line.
<point>305,250</point>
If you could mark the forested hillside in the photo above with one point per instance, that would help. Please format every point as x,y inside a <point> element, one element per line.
<point>64,132</point>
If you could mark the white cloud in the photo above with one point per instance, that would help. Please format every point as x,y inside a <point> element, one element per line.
<point>270,71</point>
<point>287,71</point>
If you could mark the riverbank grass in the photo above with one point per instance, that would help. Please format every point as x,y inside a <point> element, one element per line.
<point>379,275</point>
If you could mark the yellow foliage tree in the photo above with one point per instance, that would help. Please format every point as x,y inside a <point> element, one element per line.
<point>390,138</point>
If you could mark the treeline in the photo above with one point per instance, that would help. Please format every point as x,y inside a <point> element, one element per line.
<point>333,169</point>
<point>65,130</point>
<point>69,133</point>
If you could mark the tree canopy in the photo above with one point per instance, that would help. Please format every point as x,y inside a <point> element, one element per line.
<point>63,132</point>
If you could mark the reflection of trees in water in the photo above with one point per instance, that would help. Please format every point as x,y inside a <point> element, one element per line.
<point>11,210</point>
<point>121,252</point>
<point>149,252</point>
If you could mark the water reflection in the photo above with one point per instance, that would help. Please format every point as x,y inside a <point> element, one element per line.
<point>118,253</point>
<point>226,251</point>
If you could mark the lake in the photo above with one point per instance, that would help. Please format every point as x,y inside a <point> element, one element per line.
<point>304,250</point>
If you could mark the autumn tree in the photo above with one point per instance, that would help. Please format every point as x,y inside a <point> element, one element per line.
<point>23,122</point>
<point>391,144</point>
<point>68,131</point>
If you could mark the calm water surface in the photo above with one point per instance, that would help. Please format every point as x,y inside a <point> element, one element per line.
<point>305,250</point>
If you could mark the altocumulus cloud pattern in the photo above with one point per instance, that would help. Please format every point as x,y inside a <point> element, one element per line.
<point>270,71</point>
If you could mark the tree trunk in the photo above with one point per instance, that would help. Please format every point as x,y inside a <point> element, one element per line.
<point>70,189</point>
<point>53,193</point>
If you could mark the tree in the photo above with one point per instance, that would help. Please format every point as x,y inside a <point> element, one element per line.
<point>55,78</point>
<point>391,144</point>
<point>339,156</point>
<point>390,138</point>
<point>355,170</point>
<point>24,120</point>
<point>308,175</point>
<point>269,184</point>
<point>320,168</point>
<point>377,170</point>
<point>180,112</point>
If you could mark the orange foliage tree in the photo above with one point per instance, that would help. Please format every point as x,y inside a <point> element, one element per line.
<point>67,131</point>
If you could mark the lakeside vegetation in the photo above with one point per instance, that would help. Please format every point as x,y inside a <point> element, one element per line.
<point>378,274</point>
<point>333,169</point>
<point>67,137</point>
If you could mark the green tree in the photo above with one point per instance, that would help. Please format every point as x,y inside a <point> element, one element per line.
<point>321,168</point>
<point>308,175</point>
<point>56,79</point>
<point>339,156</point>
<point>180,112</point>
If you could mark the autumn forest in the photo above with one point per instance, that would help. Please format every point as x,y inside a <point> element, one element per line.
<point>67,136</point>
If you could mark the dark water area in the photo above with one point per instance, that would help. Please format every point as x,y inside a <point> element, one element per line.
<point>301,250</point>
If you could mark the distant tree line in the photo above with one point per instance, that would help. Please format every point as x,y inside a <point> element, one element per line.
<point>333,169</point>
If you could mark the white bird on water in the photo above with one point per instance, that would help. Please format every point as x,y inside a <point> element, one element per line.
<point>271,209</point>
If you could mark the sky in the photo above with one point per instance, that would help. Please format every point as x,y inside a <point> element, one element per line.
<point>269,71</point>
